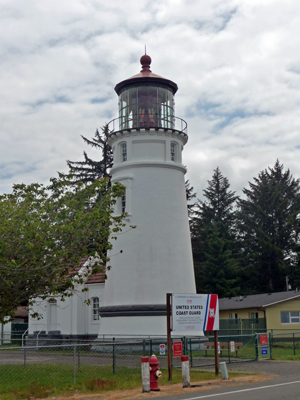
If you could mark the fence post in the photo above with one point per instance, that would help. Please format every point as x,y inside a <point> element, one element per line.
<point>144,348</point>
<point>25,356</point>
<point>114,357</point>
<point>79,358</point>
<point>270,343</point>
<point>256,346</point>
<point>150,348</point>
<point>229,349</point>
<point>294,344</point>
<point>74,365</point>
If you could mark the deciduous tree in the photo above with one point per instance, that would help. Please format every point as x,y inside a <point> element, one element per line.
<point>45,231</point>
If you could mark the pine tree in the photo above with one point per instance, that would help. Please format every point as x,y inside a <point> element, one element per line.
<point>190,195</point>
<point>89,170</point>
<point>269,223</point>
<point>215,248</point>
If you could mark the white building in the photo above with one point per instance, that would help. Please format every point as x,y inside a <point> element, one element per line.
<point>71,318</point>
<point>155,258</point>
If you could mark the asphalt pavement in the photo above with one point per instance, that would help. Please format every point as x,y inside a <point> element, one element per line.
<point>284,385</point>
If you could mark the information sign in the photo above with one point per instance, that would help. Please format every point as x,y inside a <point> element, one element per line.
<point>177,349</point>
<point>263,340</point>
<point>195,312</point>
<point>162,349</point>
<point>232,347</point>
<point>264,351</point>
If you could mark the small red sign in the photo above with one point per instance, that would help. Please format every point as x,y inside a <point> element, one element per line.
<point>263,340</point>
<point>177,349</point>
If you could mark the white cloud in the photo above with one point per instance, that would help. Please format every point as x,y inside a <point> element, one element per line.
<point>236,62</point>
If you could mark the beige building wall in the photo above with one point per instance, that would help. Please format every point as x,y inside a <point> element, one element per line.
<point>273,315</point>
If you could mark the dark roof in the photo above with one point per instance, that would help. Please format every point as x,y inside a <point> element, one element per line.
<point>146,77</point>
<point>256,300</point>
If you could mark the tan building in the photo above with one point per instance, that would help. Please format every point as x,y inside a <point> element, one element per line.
<point>281,310</point>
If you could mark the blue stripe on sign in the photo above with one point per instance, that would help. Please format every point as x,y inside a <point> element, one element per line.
<point>206,311</point>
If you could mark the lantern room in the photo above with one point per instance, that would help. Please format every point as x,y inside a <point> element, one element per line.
<point>146,100</point>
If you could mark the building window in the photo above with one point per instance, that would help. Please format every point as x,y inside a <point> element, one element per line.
<point>173,151</point>
<point>233,316</point>
<point>95,308</point>
<point>254,317</point>
<point>290,317</point>
<point>124,152</point>
<point>123,203</point>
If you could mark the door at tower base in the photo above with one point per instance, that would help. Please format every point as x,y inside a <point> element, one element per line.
<point>195,312</point>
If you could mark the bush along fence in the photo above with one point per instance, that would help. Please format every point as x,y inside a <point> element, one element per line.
<point>103,362</point>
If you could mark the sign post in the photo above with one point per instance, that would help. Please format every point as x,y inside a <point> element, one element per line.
<point>192,313</point>
<point>169,295</point>
<point>216,353</point>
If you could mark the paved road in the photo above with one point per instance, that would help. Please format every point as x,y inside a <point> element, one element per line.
<point>286,386</point>
<point>281,390</point>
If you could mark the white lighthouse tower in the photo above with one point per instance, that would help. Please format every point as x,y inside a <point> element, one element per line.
<point>147,141</point>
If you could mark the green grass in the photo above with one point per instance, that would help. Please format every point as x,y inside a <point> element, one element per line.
<point>57,379</point>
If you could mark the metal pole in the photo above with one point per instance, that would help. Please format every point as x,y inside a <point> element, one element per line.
<point>144,348</point>
<point>229,349</point>
<point>78,358</point>
<point>256,346</point>
<point>169,344</point>
<point>294,344</point>
<point>114,357</point>
<point>74,365</point>
<point>191,353</point>
<point>216,353</point>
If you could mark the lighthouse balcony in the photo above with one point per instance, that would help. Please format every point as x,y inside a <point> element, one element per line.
<point>148,122</point>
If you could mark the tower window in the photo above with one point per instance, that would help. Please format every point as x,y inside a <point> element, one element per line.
<point>95,308</point>
<point>124,152</point>
<point>173,151</point>
<point>123,203</point>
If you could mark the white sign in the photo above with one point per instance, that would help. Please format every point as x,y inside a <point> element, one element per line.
<point>162,349</point>
<point>195,312</point>
<point>232,347</point>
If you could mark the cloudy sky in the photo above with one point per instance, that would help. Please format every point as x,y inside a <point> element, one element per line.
<point>236,62</point>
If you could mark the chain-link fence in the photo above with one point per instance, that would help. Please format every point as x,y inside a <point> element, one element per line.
<point>78,364</point>
<point>110,360</point>
<point>285,344</point>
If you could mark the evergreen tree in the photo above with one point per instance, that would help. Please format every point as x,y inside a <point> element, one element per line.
<point>218,272</point>
<point>89,170</point>
<point>190,194</point>
<point>214,243</point>
<point>269,223</point>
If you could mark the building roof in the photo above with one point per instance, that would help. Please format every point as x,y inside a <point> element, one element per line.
<point>99,277</point>
<point>21,312</point>
<point>145,77</point>
<point>256,300</point>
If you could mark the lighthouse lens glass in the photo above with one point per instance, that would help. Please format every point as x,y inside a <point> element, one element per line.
<point>146,107</point>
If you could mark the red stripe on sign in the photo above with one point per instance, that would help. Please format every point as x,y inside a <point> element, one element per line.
<point>211,312</point>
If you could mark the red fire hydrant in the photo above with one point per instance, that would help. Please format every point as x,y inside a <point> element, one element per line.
<point>155,373</point>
